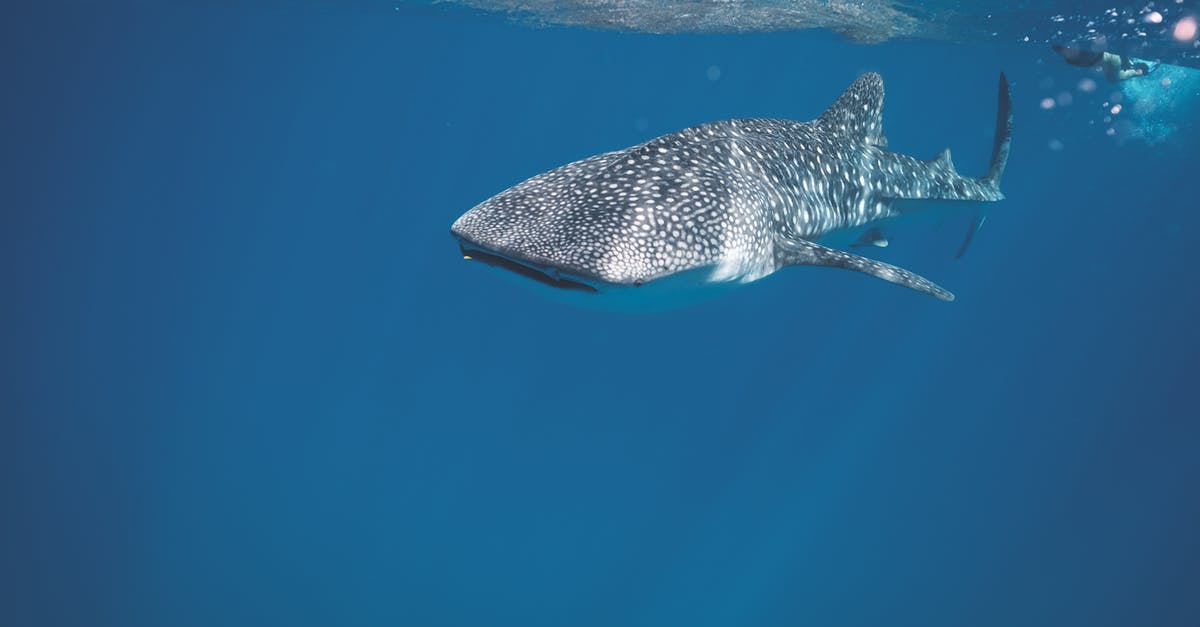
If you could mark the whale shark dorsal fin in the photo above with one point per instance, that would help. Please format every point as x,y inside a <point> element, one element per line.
<point>791,251</point>
<point>858,112</point>
<point>944,161</point>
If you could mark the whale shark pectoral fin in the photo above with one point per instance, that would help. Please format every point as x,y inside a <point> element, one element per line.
<point>971,231</point>
<point>800,252</point>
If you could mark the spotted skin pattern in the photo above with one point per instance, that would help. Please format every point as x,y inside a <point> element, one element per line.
<point>744,197</point>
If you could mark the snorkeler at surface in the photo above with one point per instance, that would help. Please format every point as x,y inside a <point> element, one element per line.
<point>1116,67</point>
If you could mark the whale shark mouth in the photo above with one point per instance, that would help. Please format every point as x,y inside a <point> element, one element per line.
<point>550,277</point>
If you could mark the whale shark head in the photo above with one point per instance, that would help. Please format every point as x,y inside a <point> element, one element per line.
<point>598,224</point>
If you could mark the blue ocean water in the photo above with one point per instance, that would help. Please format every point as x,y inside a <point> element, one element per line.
<point>249,380</point>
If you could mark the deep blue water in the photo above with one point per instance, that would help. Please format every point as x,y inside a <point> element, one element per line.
<point>248,379</point>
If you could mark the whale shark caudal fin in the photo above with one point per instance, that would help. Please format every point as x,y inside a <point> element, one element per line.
<point>1003,138</point>
<point>1000,148</point>
<point>858,112</point>
<point>801,252</point>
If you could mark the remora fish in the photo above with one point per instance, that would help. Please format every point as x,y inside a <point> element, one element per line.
<point>722,204</point>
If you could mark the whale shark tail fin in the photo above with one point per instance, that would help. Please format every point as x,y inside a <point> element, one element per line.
<point>1003,138</point>
<point>1000,148</point>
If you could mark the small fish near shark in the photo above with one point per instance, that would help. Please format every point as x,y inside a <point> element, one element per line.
<point>718,205</point>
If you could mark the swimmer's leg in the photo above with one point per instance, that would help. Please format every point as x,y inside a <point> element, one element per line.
<point>1119,68</point>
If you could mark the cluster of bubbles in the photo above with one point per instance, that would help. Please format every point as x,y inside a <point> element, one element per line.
<point>1157,104</point>
<point>1140,20</point>
<point>1147,108</point>
<point>1146,25</point>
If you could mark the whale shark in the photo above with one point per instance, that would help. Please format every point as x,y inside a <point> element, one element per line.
<point>697,212</point>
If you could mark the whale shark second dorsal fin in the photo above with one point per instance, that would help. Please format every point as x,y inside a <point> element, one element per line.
<point>944,161</point>
<point>858,112</point>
